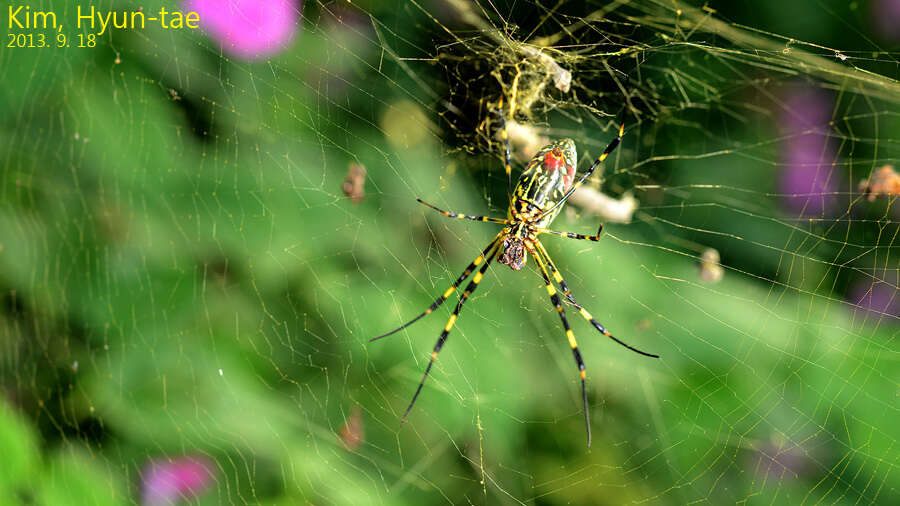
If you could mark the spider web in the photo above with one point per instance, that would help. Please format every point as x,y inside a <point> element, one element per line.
<point>185,282</point>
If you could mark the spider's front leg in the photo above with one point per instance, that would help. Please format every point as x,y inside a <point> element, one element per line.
<point>572,235</point>
<point>504,136</point>
<point>461,216</point>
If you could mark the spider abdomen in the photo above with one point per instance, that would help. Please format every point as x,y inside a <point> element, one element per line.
<point>546,179</point>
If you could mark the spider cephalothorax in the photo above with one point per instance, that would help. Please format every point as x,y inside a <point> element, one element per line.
<point>513,254</point>
<point>542,189</point>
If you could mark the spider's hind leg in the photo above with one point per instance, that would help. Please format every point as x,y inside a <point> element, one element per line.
<point>543,256</point>
<point>554,298</point>
<point>449,326</point>
<point>447,293</point>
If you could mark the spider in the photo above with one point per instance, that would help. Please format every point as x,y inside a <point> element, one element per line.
<point>537,199</point>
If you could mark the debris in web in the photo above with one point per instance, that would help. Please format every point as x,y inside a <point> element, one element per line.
<point>885,181</point>
<point>525,140</point>
<point>354,183</point>
<point>559,75</point>
<point>609,209</point>
<point>562,78</point>
<point>711,270</point>
<point>353,433</point>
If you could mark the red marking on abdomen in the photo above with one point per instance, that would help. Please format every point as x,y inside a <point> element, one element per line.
<point>569,177</point>
<point>553,161</point>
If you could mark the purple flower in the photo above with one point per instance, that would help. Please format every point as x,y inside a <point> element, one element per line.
<point>348,34</point>
<point>776,461</point>
<point>886,18</point>
<point>165,480</point>
<point>877,297</point>
<point>807,179</point>
<point>248,29</point>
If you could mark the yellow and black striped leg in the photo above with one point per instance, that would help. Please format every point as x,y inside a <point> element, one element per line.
<point>463,216</point>
<point>449,326</point>
<point>609,149</point>
<point>572,235</point>
<point>542,257</point>
<point>444,296</point>
<point>554,298</point>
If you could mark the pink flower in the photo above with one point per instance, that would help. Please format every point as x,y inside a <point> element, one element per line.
<point>248,29</point>
<point>165,481</point>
